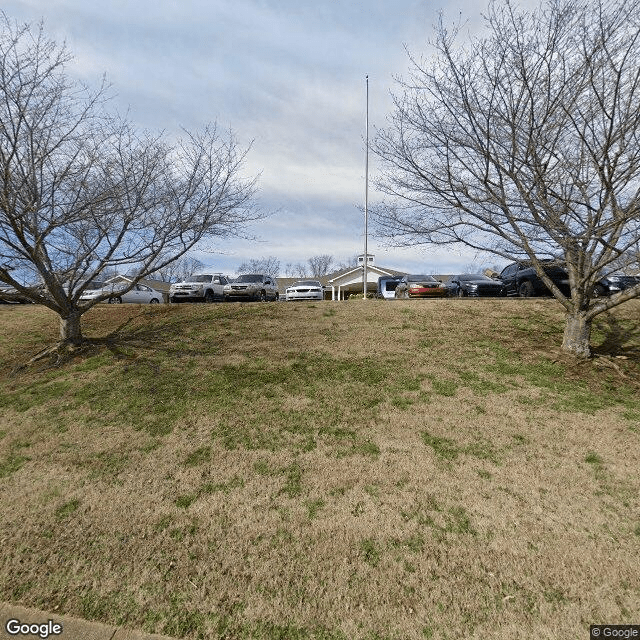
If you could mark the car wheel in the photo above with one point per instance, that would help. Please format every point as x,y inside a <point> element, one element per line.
<point>526,289</point>
<point>598,291</point>
<point>262,297</point>
<point>117,300</point>
<point>277,297</point>
<point>209,297</point>
<point>154,301</point>
<point>461,293</point>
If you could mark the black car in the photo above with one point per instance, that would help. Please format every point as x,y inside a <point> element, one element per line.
<point>475,284</point>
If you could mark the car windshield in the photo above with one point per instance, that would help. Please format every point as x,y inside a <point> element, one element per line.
<point>250,277</point>
<point>474,276</point>
<point>94,286</point>
<point>200,278</point>
<point>307,283</point>
<point>421,279</point>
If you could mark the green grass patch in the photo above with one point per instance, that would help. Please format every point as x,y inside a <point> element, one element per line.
<point>370,552</point>
<point>444,448</point>
<point>11,463</point>
<point>198,456</point>
<point>67,509</point>
<point>593,458</point>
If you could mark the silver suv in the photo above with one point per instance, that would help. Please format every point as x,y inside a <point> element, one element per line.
<point>203,287</point>
<point>252,286</point>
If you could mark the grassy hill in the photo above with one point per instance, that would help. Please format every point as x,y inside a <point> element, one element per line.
<point>361,470</point>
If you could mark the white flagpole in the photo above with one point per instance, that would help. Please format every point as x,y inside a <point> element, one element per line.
<point>366,198</point>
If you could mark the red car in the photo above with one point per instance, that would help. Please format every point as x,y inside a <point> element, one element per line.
<point>420,286</point>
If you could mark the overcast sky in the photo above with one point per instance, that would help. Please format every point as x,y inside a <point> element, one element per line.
<point>287,75</point>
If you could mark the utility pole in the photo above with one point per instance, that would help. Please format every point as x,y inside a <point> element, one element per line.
<point>366,198</point>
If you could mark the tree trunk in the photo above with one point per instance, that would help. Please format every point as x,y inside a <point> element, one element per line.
<point>577,334</point>
<point>70,331</point>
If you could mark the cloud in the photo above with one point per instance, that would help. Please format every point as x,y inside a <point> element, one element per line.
<point>285,74</point>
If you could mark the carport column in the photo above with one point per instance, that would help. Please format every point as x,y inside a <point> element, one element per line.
<point>333,292</point>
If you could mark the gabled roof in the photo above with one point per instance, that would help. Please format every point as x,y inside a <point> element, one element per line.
<point>345,276</point>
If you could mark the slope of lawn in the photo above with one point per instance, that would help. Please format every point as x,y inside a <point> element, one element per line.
<point>364,470</point>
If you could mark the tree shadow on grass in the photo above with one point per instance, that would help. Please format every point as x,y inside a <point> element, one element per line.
<point>125,342</point>
<point>620,338</point>
<point>620,348</point>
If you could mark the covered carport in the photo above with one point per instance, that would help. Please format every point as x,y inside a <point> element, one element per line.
<point>350,282</point>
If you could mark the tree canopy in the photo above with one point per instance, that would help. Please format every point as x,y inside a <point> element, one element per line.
<point>525,142</point>
<point>82,191</point>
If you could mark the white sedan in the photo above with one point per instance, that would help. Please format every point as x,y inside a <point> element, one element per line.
<point>140,294</point>
<point>305,290</point>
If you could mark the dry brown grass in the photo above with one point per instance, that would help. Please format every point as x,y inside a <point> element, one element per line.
<point>365,470</point>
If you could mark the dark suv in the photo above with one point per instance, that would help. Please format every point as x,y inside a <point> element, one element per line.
<point>521,279</point>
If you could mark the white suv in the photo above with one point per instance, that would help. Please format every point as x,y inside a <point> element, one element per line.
<point>206,287</point>
<point>252,286</point>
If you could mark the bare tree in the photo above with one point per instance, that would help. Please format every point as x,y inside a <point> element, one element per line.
<point>297,270</point>
<point>269,265</point>
<point>81,192</point>
<point>526,143</point>
<point>178,270</point>
<point>349,263</point>
<point>320,265</point>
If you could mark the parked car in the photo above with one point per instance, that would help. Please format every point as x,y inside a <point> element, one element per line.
<point>621,281</point>
<point>9,295</point>
<point>305,290</point>
<point>387,286</point>
<point>420,286</point>
<point>199,287</point>
<point>139,294</point>
<point>252,286</point>
<point>475,284</point>
<point>521,279</point>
